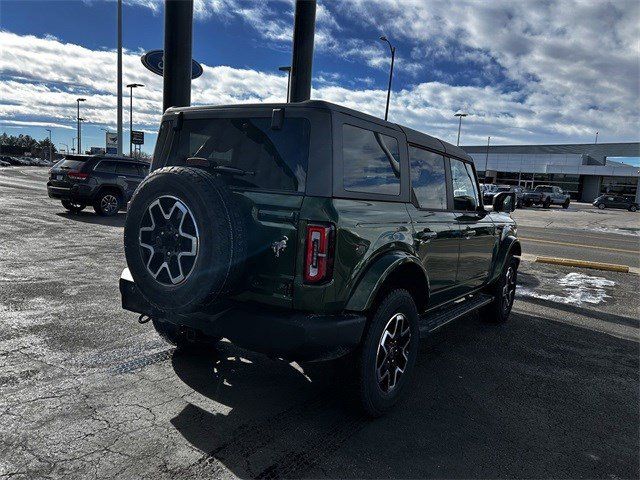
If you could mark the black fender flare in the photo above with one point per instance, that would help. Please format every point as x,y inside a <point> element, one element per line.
<point>373,280</point>
<point>509,245</point>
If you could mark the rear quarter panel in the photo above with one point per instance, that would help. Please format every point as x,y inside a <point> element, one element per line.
<point>365,231</point>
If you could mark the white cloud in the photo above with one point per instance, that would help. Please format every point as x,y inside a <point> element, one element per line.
<point>563,101</point>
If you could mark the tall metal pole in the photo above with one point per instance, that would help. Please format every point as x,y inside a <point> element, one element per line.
<point>460,115</point>
<point>304,26</point>
<point>119,79</point>
<point>288,70</point>
<point>73,144</point>
<point>178,26</point>
<point>78,100</point>
<point>393,56</point>
<point>486,159</point>
<point>131,121</point>
<point>597,137</point>
<point>78,118</point>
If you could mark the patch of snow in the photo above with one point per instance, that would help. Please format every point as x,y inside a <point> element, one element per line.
<point>634,232</point>
<point>578,289</point>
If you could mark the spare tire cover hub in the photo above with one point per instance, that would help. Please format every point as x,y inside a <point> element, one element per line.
<point>169,240</point>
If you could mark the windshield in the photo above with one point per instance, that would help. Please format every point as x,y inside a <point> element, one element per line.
<point>504,189</point>
<point>540,188</point>
<point>276,159</point>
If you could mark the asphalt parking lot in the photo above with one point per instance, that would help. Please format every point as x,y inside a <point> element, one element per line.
<point>87,391</point>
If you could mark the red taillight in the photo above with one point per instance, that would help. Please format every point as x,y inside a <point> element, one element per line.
<point>77,175</point>
<point>318,263</point>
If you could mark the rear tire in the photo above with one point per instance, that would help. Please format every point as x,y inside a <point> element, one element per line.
<point>546,203</point>
<point>633,208</point>
<point>73,206</point>
<point>108,203</point>
<point>601,206</point>
<point>387,355</point>
<point>504,292</point>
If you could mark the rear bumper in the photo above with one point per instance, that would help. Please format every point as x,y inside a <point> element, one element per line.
<point>290,334</point>
<point>76,193</point>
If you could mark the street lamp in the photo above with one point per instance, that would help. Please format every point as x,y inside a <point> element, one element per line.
<point>460,115</point>
<point>66,146</point>
<point>131,86</point>
<point>486,159</point>
<point>73,144</point>
<point>597,137</point>
<point>50,153</point>
<point>288,70</point>
<point>393,56</point>
<point>78,100</point>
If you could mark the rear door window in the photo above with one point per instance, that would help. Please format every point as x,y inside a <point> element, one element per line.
<point>105,167</point>
<point>428,178</point>
<point>371,161</point>
<point>273,160</point>
<point>128,169</point>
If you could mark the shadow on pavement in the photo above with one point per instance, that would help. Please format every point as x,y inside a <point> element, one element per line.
<point>529,398</point>
<point>93,218</point>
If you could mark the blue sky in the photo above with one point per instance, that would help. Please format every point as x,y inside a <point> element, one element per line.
<point>524,71</point>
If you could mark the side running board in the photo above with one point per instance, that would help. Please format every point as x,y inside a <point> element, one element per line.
<point>433,320</point>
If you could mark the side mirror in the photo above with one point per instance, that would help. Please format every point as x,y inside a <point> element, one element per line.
<point>504,202</point>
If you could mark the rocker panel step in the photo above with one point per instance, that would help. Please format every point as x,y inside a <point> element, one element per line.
<point>433,320</point>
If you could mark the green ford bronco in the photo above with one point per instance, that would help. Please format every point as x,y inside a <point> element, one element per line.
<point>309,231</point>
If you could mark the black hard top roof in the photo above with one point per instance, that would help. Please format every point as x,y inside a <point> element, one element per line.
<point>413,136</point>
<point>103,156</point>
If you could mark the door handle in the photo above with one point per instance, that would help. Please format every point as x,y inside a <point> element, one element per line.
<point>426,235</point>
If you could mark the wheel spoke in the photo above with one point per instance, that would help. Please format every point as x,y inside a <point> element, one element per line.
<point>393,352</point>
<point>168,235</point>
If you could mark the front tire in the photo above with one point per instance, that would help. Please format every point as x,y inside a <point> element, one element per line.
<point>566,203</point>
<point>601,206</point>
<point>504,292</point>
<point>108,203</point>
<point>633,208</point>
<point>546,203</point>
<point>387,356</point>
<point>73,207</point>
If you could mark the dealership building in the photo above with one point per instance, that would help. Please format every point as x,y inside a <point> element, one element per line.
<point>583,170</point>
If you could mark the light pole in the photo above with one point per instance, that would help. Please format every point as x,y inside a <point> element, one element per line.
<point>49,130</point>
<point>597,137</point>
<point>66,146</point>
<point>131,86</point>
<point>393,56</point>
<point>73,144</point>
<point>486,159</point>
<point>119,79</point>
<point>288,70</point>
<point>79,120</point>
<point>459,115</point>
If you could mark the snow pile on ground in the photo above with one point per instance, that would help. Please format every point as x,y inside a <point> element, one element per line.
<point>7,161</point>
<point>578,289</point>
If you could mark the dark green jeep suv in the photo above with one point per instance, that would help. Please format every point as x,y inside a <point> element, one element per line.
<point>312,232</point>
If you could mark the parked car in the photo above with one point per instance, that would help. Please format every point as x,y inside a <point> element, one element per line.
<point>490,193</point>
<point>104,181</point>
<point>314,232</point>
<point>546,195</point>
<point>615,201</point>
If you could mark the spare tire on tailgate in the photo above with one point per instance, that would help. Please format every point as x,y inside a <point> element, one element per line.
<point>184,238</point>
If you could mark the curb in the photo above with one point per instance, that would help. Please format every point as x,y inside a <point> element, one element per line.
<point>612,267</point>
